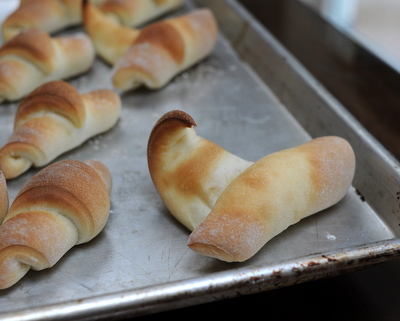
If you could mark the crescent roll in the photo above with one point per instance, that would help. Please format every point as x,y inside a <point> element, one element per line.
<point>33,58</point>
<point>3,197</point>
<point>272,194</point>
<point>111,24</point>
<point>164,49</point>
<point>65,204</point>
<point>53,119</point>
<point>56,15</point>
<point>48,15</point>
<point>111,40</point>
<point>233,206</point>
<point>188,171</point>
<point>153,55</point>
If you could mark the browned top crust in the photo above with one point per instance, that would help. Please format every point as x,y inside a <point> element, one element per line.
<point>165,36</point>
<point>54,119</point>
<point>102,171</point>
<point>172,121</point>
<point>275,192</point>
<point>188,171</point>
<point>177,115</point>
<point>58,97</point>
<point>33,45</point>
<point>48,15</point>
<point>164,49</point>
<point>71,188</point>
<point>65,204</point>
<point>110,39</point>
<point>29,15</point>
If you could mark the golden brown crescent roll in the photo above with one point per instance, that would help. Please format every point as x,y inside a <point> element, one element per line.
<point>47,15</point>
<point>154,54</point>
<point>232,206</point>
<point>111,24</point>
<point>188,171</point>
<point>3,197</point>
<point>110,39</point>
<point>272,194</point>
<point>132,13</point>
<point>164,49</point>
<point>65,204</point>
<point>53,119</point>
<point>56,15</point>
<point>33,58</point>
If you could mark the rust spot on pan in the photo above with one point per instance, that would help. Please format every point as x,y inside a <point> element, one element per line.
<point>329,258</point>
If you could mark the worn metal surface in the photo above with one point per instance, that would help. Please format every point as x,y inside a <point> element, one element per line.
<point>252,98</point>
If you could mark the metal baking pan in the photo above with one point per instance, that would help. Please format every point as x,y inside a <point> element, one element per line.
<point>252,98</point>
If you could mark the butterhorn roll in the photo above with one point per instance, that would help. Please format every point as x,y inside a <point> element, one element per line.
<point>55,15</point>
<point>48,15</point>
<point>275,192</point>
<point>233,206</point>
<point>65,204</point>
<point>54,119</point>
<point>151,56</point>
<point>164,49</point>
<point>188,171</point>
<point>33,58</point>
<point>111,40</point>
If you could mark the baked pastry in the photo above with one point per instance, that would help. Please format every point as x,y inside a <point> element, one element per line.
<point>65,204</point>
<point>164,49</point>
<point>188,171</point>
<point>53,119</point>
<point>48,15</point>
<point>232,206</point>
<point>133,13</point>
<point>111,24</point>
<point>3,197</point>
<point>55,15</point>
<point>111,40</point>
<point>33,58</point>
<point>154,54</point>
<point>272,194</point>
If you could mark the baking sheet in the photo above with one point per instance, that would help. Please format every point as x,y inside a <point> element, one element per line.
<point>252,98</point>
